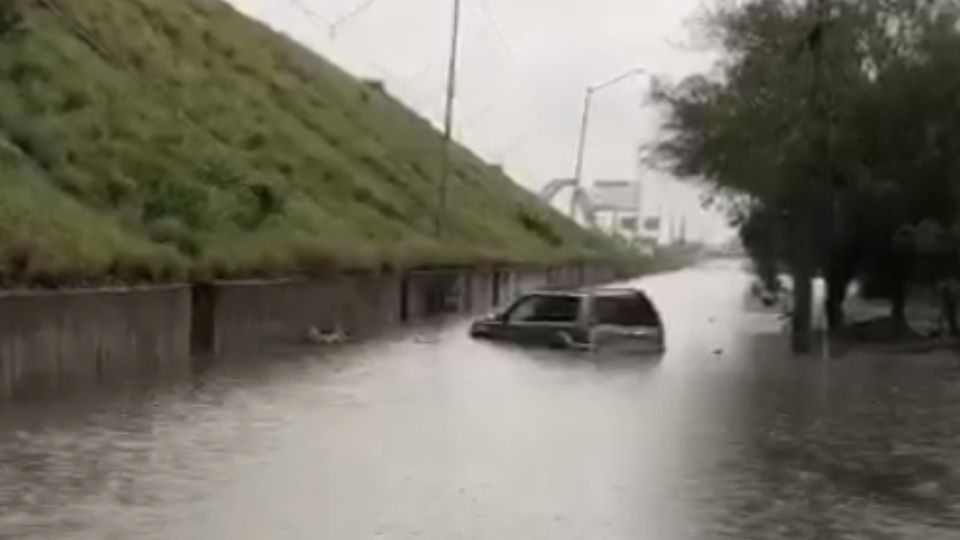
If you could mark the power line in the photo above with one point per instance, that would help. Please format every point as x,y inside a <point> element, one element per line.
<point>448,119</point>
<point>488,13</point>
<point>490,105</point>
<point>349,16</point>
<point>481,113</point>
<point>324,24</point>
<point>332,26</point>
<point>312,14</point>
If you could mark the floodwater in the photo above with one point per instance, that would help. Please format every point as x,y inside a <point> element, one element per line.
<point>433,436</point>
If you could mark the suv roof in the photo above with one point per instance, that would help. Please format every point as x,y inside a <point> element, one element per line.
<point>588,291</point>
<point>614,291</point>
<point>557,292</point>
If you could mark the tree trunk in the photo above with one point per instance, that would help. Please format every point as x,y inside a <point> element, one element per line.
<point>836,295</point>
<point>948,301</point>
<point>802,308</point>
<point>838,278</point>
<point>898,301</point>
<point>901,270</point>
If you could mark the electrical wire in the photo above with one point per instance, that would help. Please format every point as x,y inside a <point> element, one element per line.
<point>482,113</point>
<point>349,16</point>
<point>332,26</point>
<point>488,13</point>
<point>312,14</point>
<point>324,24</point>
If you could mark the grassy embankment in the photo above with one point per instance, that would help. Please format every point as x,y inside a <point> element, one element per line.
<point>152,140</point>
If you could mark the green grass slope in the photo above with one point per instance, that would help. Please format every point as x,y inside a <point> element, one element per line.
<point>156,139</point>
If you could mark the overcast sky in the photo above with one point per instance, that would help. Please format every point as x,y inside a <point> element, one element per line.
<point>525,65</point>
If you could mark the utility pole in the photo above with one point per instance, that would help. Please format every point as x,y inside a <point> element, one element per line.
<point>638,202</point>
<point>584,131</point>
<point>443,191</point>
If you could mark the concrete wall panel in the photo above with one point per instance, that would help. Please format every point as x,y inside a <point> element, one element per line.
<point>64,341</point>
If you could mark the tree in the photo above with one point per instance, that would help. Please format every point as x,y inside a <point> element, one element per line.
<point>755,131</point>
<point>902,146</point>
<point>834,116</point>
<point>11,20</point>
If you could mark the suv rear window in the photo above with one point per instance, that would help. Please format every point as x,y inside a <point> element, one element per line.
<point>625,310</point>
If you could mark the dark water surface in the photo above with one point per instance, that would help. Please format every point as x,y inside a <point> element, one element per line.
<point>433,436</point>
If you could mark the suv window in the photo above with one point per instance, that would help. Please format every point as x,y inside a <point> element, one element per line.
<point>551,309</point>
<point>625,310</point>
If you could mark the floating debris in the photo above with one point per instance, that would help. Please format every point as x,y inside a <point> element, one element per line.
<point>317,337</point>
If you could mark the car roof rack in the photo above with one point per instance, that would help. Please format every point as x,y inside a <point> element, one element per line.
<point>560,291</point>
<point>613,290</point>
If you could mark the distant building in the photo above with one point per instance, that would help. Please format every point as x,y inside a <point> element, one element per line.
<point>617,205</point>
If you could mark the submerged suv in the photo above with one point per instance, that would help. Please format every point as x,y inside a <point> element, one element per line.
<point>623,319</point>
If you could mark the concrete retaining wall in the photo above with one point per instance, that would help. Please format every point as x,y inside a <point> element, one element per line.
<point>478,291</point>
<point>53,342</point>
<point>430,293</point>
<point>244,317</point>
<point>56,341</point>
<point>503,285</point>
<point>531,280</point>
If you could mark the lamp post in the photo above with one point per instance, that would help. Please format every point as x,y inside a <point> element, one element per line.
<point>585,128</point>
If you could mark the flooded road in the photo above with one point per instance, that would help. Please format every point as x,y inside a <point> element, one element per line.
<point>434,436</point>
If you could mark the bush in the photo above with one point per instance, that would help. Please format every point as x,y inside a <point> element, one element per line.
<point>117,189</point>
<point>34,140</point>
<point>538,226</point>
<point>10,156</point>
<point>186,202</point>
<point>74,100</point>
<point>11,21</point>
<point>23,72</point>
<point>73,182</point>
<point>254,142</point>
<point>219,174</point>
<point>171,231</point>
<point>259,202</point>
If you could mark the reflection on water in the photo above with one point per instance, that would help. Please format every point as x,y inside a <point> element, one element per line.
<point>438,437</point>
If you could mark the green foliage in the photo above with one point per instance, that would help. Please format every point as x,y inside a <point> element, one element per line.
<point>259,202</point>
<point>48,239</point>
<point>218,174</point>
<point>11,21</point>
<point>173,232</point>
<point>844,123</point>
<point>183,201</point>
<point>536,224</point>
<point>183,136</point>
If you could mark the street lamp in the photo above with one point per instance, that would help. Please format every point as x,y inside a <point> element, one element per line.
<point>585,127</point>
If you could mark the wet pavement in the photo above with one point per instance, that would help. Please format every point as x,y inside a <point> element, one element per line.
<point>434,436</point>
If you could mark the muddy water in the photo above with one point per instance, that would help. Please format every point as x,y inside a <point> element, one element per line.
<point>434,436</point>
